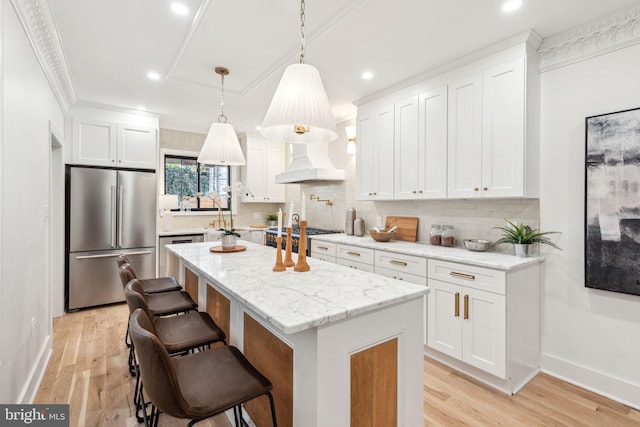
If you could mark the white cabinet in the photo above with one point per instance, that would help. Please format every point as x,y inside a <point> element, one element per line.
<point>323,250</point>
<point>374,162</point>
<point>265,160</point>
<point>257,236</point>
<point>486,142</point>
<point>486,319</point>
<point>355,257</point>
<point>421,146</point>
<point>464,167</point>
<point>103,143</point>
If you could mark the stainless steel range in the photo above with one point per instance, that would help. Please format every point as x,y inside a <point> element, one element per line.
<point>272,233</point>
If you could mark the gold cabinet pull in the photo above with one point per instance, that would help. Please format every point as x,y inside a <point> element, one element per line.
<point>353,253</point>
<point>324,248</point>
<point>466,307</point>
<point>463,275</point>
<point>402,263</point>
<point>456,308</point>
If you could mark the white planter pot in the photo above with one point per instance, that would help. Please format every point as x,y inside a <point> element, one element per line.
<point>228,241</point>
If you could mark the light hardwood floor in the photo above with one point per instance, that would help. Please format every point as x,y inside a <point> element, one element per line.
<point>88,370</point>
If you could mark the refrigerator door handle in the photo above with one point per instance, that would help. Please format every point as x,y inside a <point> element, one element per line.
<point>112,255</point>
<point>113,217</point>
<point>120,218</point>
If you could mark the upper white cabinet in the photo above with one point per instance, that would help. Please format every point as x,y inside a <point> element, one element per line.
<point>374,161</point>
<point>487,133</point>
<point>265,160</point>
<point>105,143</point>
<point>465,137</point>
<point>468,133</point>
<point>421,146</point>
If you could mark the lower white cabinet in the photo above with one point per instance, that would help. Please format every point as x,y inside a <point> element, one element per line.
<point>483,321</point>
<point>323,250</point>
<point>355,257</point>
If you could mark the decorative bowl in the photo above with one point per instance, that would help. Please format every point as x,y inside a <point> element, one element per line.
<point>477,245</point>
<point>381,236</point>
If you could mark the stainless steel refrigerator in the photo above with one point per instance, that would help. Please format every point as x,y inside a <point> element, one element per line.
<point>109,212</point>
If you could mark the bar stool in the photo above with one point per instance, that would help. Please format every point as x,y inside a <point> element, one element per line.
<point>179,334</point>
<point>150,286</point>
<point>196,386</point>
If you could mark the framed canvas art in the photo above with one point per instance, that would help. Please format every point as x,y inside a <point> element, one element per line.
<point>612,202</point>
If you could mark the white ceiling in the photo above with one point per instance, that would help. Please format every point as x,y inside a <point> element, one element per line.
<point>111,45</point>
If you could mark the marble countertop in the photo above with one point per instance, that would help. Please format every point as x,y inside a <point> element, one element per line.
<point>294,301</point>
<point>499,261</point>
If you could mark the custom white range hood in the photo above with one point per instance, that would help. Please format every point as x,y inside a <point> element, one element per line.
<point>310,162</point>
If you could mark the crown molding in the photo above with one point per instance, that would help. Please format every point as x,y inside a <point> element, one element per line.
<point>39,25</point>
<point>593,39</point>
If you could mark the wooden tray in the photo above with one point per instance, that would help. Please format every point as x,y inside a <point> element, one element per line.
<point>236,248</point>
<point>407,227</point>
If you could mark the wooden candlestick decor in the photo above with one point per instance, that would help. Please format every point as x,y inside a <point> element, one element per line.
<point>288,262</point>
<point>302,265</point>
<point>279,264</point>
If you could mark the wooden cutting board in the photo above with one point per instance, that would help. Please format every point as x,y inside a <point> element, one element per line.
<point>407,227</point>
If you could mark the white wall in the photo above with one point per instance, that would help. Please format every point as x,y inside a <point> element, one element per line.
<point>590,337</point>
<point>25,319</point>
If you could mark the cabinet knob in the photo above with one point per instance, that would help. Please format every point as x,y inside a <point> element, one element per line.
<point>375,194</point>
<point>370,194</point>
<point>485,188</point>
<point>475,189</point>
<point>414,191</point>
<point>119,161</point>
<point>113,161</point>
<point>420,191</point>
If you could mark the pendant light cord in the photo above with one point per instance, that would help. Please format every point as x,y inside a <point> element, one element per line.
<point>302,7</point>
<point>222,118</point>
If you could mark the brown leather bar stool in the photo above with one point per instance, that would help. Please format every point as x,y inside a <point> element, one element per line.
<point>196,386</point>
<point>150,286</point>
<point>179,334</point>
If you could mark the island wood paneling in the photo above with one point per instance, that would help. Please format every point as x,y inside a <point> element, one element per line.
<point>191,284</point>
<point>219,308</point>
<point>274,359</point>
<point>374,386</point>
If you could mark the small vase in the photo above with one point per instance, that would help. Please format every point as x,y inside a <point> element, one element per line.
<point>522,249</point>
<point>228,241</point>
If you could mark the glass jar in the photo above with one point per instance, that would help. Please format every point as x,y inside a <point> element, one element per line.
<point>434,235</point>
<point>448,236</point>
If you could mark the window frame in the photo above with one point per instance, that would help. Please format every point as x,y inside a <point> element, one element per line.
<point>192,155</point>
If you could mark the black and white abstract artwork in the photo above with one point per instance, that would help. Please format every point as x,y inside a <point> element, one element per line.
<point>612,202</point>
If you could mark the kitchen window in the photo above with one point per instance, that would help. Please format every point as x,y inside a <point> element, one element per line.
<point>192,181</point>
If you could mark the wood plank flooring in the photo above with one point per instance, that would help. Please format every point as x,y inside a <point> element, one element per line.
<point>88,370</point>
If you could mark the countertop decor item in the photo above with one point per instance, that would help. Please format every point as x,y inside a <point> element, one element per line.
<point>358,227</point>
<point>381,236</point>
<point>301,264</point>
<point>477,245</point>
<point>522,236</point>
<point>407,227</point>
<point>220,249</point>
<point>349,217</point>
<point>272,220</point>
<point>279,265</point>
<point>288,261</point>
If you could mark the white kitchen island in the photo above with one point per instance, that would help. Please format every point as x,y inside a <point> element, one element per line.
<point>342,347</point>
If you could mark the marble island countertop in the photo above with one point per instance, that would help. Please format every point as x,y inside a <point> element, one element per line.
<point>499,261</point>
<point>294,301</point>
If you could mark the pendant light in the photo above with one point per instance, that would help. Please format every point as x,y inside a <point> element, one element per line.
<point>300,111</point>
<point>221,147</point>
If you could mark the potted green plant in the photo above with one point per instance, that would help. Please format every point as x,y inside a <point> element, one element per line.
<point>272,220</point>
<point>522,237</point>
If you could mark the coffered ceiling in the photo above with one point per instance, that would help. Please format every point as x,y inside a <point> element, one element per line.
<point>110,46</point>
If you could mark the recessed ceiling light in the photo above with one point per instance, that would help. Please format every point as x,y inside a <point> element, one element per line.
<point>511,5</point>
<point>258,127</point>
<point>179,9</point>
<point>367,75</point>
<point>153,75</point>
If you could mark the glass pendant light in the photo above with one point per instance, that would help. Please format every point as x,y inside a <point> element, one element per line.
<point>221,147</point>
<point>300,111</point>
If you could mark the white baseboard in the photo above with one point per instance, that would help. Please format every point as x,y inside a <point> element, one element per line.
<point>598,382</point>
<point>31,386</point>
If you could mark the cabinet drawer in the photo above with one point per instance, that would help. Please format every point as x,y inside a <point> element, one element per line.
<point>355,265</point>
<point>324,257</point>
<point>401,275</point>
<point>355,253</point>
<point>468,275</point>
<point>402,263</point>
<point>322,248</point>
